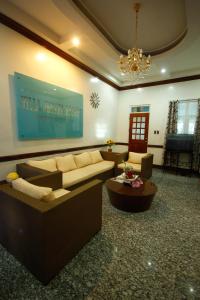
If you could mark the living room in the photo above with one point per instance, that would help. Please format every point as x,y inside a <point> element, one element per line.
<point>87,275</point>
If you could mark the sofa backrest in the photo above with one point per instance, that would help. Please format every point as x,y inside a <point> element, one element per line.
<point>136,158</point>
<point>45,164</point>
<point>68,162</point>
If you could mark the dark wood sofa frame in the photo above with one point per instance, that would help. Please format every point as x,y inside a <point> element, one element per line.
<point>45,236</point>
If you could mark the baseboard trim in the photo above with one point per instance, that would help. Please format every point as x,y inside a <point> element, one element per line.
<point>156,146</point>
<point>149,145</point>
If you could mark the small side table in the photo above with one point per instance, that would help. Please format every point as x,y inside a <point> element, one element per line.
<point>117,157</point>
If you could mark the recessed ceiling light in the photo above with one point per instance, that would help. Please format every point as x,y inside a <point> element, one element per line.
<point>139,89</point>
<point>94,79</point>
<point>171,87</point>
<point>54,89</point>
<point>40,56</point>
<point>76,41</point>
<point>163,70</point>
<point>191,290</point>
<point>122,74</point>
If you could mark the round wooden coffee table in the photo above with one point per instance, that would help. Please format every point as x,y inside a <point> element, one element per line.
<point>131,199</point>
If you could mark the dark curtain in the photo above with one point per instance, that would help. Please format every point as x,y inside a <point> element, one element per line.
<point>170,158</point>
<point>196,149</point>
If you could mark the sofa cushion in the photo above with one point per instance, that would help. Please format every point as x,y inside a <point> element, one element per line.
<point>60,192</point>
<point>45,164</point>
<point>95,156</point>
<point>65,163</point>
<point>136,158</point>
<point>83,159</point>
<point>136,167</point>
<point>35,191</point>
<point>73,177</point>
<point>100,167</point>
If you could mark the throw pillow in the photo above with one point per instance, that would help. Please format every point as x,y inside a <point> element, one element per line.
<point>46,164</point>
<point>83,159</point>
<point>32,190</point>
<point>136,158</point>
<point>66,163</point>
<point>96,156</point>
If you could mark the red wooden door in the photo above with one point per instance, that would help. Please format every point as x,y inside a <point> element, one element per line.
<point>138,132</point>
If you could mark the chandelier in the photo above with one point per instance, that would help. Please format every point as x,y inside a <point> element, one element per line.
<point>135,64</point>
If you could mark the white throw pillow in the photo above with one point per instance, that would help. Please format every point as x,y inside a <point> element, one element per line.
<point>66,163</point>
<point>46,164</point>
<point>136,158</point>
<point>95,156</point>
<point>83,159</point>
<point>35,191</point>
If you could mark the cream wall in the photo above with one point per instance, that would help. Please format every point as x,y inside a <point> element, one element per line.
<point>110,120</point>
<point>18,54</point>
<point>158,98</point>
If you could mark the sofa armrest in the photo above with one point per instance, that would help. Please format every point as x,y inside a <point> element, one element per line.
<point>7,192</point>
<point>146,166</point>
<point>26,171</point>
<point>16,200</point>
<point>91,191</point>
<point>52,180</point>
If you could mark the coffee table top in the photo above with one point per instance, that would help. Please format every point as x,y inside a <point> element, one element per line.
<point>146,189</point>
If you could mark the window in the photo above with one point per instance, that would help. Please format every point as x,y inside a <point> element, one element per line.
<point>138,109</point>
<point>187,114</point>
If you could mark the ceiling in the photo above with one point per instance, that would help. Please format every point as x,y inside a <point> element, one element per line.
<point>168,29</point>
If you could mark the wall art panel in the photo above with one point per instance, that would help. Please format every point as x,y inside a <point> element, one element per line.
<point>46,111</point>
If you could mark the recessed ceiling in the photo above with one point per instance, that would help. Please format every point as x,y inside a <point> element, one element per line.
<point>116,20</point>
<point>161,23</point>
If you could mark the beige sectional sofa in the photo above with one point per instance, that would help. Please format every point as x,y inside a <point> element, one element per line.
<point>75,169</point>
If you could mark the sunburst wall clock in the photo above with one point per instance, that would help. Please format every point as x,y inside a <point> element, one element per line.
<point>94,100</point>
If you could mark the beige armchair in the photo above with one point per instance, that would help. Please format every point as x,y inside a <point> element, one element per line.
<point>140,162</point>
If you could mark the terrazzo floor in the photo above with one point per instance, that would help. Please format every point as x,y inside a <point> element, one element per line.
<point>149,255</point>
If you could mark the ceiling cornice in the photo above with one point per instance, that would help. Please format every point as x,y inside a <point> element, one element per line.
<point>5,20</point>
<point>160,82</point>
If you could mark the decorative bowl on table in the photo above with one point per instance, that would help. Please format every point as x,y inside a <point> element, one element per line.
<point>134,181</point>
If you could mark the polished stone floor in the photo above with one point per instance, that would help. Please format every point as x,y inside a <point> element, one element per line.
<point>149,255</point>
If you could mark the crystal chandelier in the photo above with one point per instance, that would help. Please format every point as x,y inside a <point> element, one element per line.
<point>135,64</point>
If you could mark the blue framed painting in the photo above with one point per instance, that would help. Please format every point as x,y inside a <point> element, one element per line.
<point>46,111</point>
